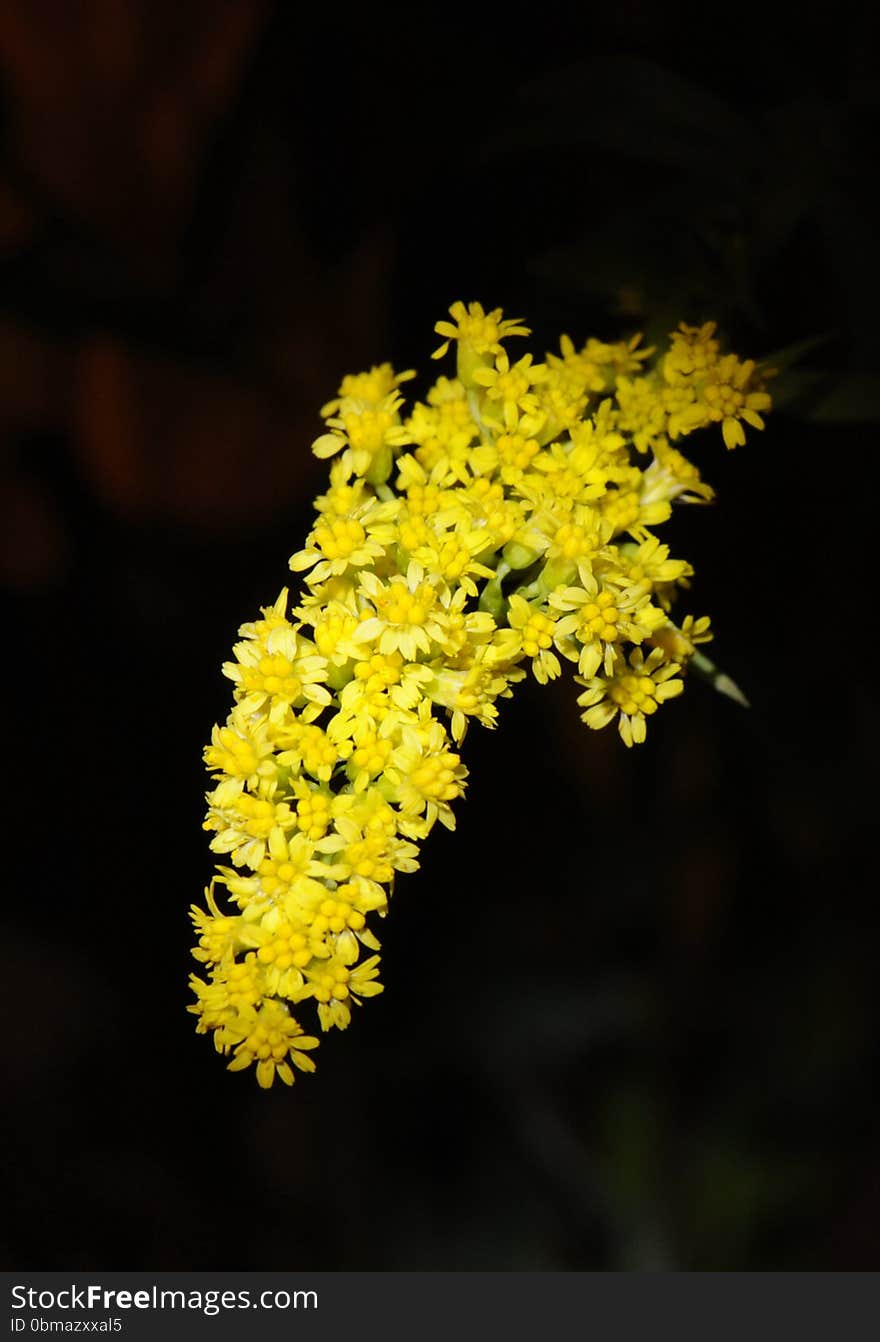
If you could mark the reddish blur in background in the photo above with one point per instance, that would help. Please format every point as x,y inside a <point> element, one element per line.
<point>631,1017</point>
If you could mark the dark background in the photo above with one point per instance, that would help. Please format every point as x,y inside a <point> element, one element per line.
<point>630,1018</point>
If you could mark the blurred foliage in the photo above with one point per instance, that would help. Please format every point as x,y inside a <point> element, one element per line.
<point>692,205</point>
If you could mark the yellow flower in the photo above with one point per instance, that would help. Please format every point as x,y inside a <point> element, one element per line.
<point>449,557</point>
<point>219,935</point>
<point>603,616</point>
<point>681,644</point>
<point>243,822</point>
<point>382,682</point>
<point>633,507</point>
<point>354,540</point>
<point>693,350</point>
<point>425,775</point>
<point>345,495</point>
<point>501,521</point>
<point>490,511</point>
<point>728,398</point>
<point>642,410</point>
<point>306,746</point>
<point>579,541</point>
<point>372,853</point>
<point>371,749</point>
<point>288,877</point>
<point>334,624</point>
<point>275,681</point>
<point>649,563</point>
<point>469,692</point>
<point>367,433</point>
<point>670,476</point>
<point>234,985</point>
<point>444,431</point>
<point>242,749</point>
<point>720,389</point>
<point>512,386</point>
<point>371,387</point>
<point>513,455</point>
<point>333,985</point>
<point>620,356</point>
<point>634,689</point>
<point>476,332</point>
<point>405,613</point>
<point>273,1039</point>
<point>536,627</point>
<point>574,372</point>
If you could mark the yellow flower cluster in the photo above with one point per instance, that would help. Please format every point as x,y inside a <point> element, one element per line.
<point>502,525</point>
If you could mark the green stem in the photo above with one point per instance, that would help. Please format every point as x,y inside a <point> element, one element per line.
<point>700,663</point>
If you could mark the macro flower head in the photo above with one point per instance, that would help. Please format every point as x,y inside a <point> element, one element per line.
<point>497,529</point>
